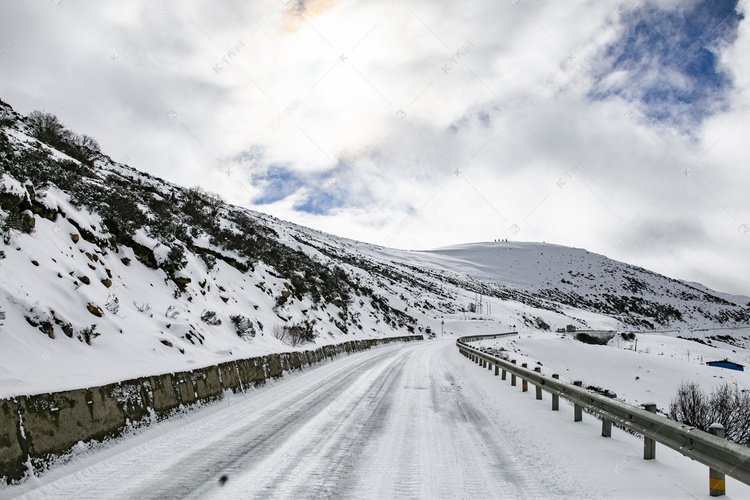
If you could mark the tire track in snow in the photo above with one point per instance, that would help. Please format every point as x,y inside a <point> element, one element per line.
<point>246,450</point>
<point>406,421</point>
<point>429,449</point>
<point>317,461</point>
<point>192,457</point>
<point>335,464</point>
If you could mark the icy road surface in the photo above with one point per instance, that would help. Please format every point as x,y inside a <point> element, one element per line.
<point>402,421</point>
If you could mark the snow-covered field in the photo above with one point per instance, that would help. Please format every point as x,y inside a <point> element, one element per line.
<point>401,421</point>
<point>650,374</point>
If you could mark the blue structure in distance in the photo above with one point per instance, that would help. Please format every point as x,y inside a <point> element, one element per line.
<point>725,363</point>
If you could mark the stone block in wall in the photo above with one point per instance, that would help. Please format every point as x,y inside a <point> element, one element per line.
<point>207,383</point>
<point>284,361</point>
<point>12,446</point>
<point>229,377</point>
<point>297,360</point>
<point>183,384</point>
<point>251,372</point>
<point>273,365</point>
<point>132,399</point>
<point>53,423</point>
<point>162,394</point>
<point>308,358</point>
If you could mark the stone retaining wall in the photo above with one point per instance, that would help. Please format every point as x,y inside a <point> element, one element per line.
<point>36,429</point>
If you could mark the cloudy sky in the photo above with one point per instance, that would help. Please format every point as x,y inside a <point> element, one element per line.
<point>620,127</point>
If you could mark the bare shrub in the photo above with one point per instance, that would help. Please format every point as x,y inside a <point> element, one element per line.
<point>210,318</point>
<point>690,406</point>
<point>88,334</point>
<point>726,405</point>
<point>296,334</point>
<point>243,326</point>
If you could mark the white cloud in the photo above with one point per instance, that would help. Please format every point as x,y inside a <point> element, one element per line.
<point>530,156</point>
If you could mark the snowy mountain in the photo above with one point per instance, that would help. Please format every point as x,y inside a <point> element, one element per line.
<point>108,273</point>
<point>581,279</point>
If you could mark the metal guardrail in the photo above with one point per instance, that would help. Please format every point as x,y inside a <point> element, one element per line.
<point>474,338</point>
<point>720,455</point>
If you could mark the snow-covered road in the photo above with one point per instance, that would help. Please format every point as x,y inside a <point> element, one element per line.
<point>402,421</point>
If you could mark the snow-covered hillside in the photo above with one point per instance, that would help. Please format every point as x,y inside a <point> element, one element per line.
<point>108,273</point>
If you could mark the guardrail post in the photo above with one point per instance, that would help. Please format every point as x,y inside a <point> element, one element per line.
<point>606,427</point>
<point>577,409</point>
<point>539,387</point>
<point>497,369</point>
<point>716,482</point>
<point>513,375</point>
<point>503,375</point>
<point>524,382</point>
<point>555,397</point>
<point>649,445</point>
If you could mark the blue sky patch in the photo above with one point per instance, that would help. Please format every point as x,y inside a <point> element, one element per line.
<point>324,192</point>
<point>666,61</point>
<point>278,182</point>
<point>320,202</point>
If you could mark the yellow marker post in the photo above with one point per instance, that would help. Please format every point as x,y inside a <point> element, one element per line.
<point>716,481</point>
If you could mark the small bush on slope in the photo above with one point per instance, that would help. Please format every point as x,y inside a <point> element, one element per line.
<point>296,334</point>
